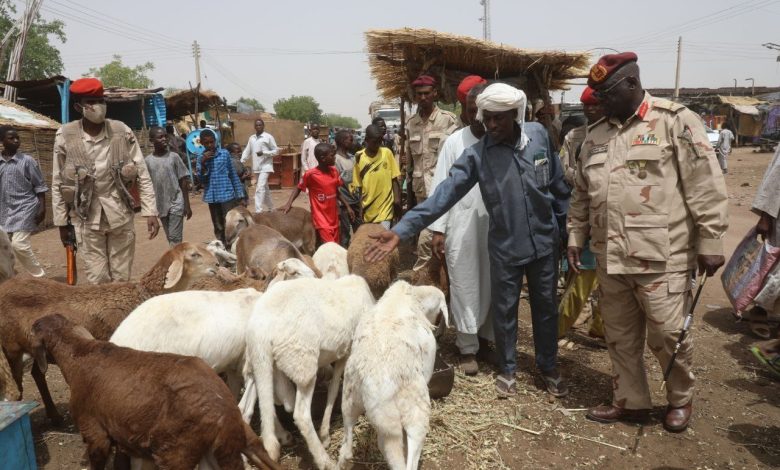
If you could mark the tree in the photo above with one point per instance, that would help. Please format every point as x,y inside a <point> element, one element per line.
<point>41,58</point>
<point>337,120</point>
<point>299,108</point>
<point>115,73</point>
<point>251,103</point>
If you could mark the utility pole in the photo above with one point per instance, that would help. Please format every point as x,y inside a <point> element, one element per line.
<point>735,86</point>
<point>752,86</point>
<point>773,46</point>
<point>677,73</point>
<point>485,19</point>
<point>196,55</point>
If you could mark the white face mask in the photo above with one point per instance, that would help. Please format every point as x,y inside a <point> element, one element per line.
<point>95,113</point>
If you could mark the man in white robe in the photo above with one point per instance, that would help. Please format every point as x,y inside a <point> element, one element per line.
<point>461,235</point>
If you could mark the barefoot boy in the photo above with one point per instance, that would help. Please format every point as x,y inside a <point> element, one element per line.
<point>323,182</point>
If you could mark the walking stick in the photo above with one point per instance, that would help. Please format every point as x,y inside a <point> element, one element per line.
<point>685,328</point>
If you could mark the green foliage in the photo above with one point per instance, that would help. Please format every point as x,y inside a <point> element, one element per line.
<point>299,108</point>
<point>251,102</point>
<point>115,73</point>
<point>337,120</point>
<point>41,59</point>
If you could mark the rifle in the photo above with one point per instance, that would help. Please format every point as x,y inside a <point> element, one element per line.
<point>70,255</point>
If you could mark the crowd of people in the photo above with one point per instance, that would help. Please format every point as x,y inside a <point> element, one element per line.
<point>632,200</point>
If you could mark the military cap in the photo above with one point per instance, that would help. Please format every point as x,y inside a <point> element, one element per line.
<point>607,66</point>
<point>424,80</point>
<point>587,97</point>
<point>467,84</point>
<point>88,86</point>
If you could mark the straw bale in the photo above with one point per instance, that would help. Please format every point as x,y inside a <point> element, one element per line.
<point>397,56</point>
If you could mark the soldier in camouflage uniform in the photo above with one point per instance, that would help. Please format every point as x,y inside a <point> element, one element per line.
<point>426,132</point>
<point>650,195</point>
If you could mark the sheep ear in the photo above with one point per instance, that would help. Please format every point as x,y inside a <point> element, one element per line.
<point>175,271</point>
<point>39,354</point>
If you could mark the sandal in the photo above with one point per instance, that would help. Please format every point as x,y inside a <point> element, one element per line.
<point>759,323</point>
<point>554,384</point>
<point>506,387</point>
<point>772,362</point>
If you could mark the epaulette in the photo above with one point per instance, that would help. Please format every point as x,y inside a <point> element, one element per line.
<point>668,105</point>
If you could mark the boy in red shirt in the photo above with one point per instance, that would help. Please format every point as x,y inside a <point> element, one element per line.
<point>323,183</point>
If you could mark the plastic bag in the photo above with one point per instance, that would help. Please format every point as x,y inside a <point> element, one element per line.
<point>747,269</point>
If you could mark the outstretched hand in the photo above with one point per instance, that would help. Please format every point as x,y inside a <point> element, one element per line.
<point>385,242</point>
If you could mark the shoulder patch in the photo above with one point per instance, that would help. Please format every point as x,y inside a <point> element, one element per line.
<point>668,105</point>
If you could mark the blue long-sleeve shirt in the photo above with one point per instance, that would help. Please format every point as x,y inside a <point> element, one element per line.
<point>524,193</point>
<point>222,184</point>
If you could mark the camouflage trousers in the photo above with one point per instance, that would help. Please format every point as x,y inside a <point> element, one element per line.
<point>651,307</point>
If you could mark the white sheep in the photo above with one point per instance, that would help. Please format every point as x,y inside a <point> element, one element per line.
<point>225,258</point>
<point>208,325</point>
<point>296,327</point>
<point>393,393</point>
<point>331,260</point>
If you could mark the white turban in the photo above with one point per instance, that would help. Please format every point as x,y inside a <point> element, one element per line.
<point>500,97</point>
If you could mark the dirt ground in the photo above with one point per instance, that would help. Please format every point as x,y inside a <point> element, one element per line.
<point>736,422</point>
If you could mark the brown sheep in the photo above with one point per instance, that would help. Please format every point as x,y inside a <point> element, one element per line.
<point>171,409</point>
<point>6,257</point>
<point>296,226</point>
<point>261,248</point>
<point>100,309</point>
<point>378,275</point>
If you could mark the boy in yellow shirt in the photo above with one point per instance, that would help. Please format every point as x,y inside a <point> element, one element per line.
<point>376,173</point>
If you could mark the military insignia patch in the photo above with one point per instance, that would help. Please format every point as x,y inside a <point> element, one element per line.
<point>598,149</point>
<point>646,139</point>
<point>598,73</point>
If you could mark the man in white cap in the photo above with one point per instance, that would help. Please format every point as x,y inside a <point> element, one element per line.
<point>522,185</point>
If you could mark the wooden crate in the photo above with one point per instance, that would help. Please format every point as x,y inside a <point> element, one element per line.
<point>16,442</point>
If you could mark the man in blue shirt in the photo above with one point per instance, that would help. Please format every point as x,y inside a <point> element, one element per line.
<point>522,184</point>
<point>222,187</point>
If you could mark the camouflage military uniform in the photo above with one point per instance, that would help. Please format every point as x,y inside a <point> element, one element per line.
<point>650,195</point>
<point>424,141</point>
<point>568,154</point>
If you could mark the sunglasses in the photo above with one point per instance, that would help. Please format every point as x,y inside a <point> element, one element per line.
<point>601,94</point>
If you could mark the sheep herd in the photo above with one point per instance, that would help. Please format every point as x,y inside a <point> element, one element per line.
<point>143,359</point>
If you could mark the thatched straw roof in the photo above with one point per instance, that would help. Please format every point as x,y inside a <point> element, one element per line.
<point>182,103</point>
<point>18,116</point>
<point>397,56</point>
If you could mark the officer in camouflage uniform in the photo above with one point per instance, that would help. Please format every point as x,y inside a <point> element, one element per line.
<point>426,132</point>
<point>650,195</point>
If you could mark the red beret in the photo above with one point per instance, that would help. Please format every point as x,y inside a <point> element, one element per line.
<point>608,65</point>
<point>424,80</point>
<point>587,97</point>
<point>467,84</point>
<point>87,87</point>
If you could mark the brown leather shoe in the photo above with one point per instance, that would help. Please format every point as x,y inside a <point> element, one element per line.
<point>677,419</point>
<point>612,413</point>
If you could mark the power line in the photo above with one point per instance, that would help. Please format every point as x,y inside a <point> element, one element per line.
<point>103,17</point>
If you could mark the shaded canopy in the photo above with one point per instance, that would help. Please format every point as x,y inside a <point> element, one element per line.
<point>397,56</point>
<point>182,103</point>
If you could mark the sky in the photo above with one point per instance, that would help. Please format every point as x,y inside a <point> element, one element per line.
<point>274,49</point>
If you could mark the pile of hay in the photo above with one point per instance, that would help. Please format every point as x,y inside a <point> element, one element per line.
<point>397,56</point>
